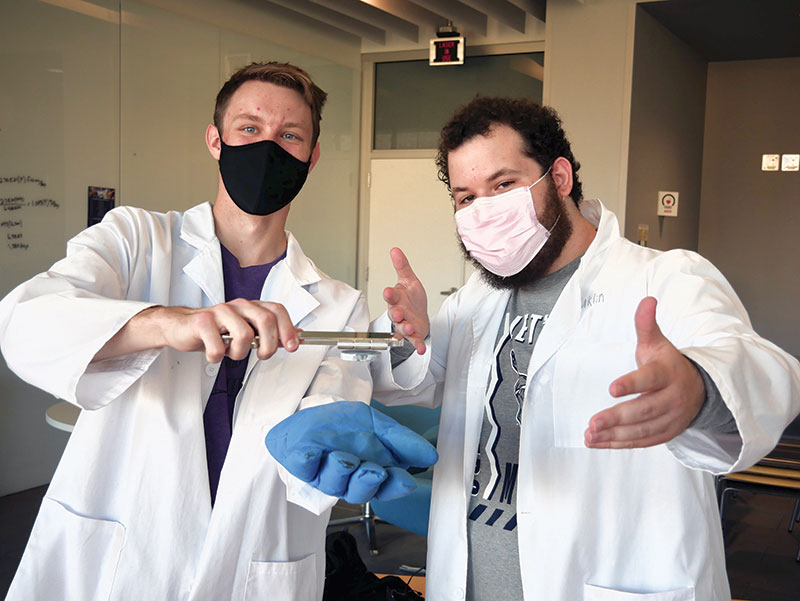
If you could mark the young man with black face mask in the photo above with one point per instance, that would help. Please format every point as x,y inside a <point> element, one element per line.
<point>165,490</point>
<point>590,387</point>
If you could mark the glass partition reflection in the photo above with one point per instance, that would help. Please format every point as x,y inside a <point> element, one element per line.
<point>413,99</point>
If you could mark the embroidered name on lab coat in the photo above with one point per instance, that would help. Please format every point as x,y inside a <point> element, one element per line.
<point>592,299</point>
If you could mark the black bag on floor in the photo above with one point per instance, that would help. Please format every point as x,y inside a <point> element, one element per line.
<point>347,578</point>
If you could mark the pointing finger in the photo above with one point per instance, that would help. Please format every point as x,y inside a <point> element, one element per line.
<point>401,266</point>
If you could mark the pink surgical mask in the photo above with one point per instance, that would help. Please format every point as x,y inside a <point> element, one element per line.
<point>502,232</point>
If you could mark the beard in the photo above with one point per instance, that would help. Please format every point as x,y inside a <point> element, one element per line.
<point>553,216</point>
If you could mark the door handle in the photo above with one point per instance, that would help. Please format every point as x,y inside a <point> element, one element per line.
<point>448,292</point>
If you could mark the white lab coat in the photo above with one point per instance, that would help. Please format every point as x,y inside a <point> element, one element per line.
<point>606,525</point>
<point>128,513</point>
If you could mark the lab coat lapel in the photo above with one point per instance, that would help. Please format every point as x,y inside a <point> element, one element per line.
<point>271,391</point>
<point>286,284</point>
<point>205,269</point>
<point>568,308</point>
<point>559,326</point>
<point>485,323</point>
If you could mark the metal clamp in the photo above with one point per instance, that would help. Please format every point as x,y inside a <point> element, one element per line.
<point>345,341</point>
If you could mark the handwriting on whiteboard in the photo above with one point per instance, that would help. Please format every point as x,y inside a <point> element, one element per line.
<point>22,179</point>
<point>17,202</point>
<point>18,193</point>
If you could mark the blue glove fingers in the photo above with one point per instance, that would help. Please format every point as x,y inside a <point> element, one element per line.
<point>334,472</point>
<point>366,445</point>
<point>408,447</point>
<point>364,483</point>
<point>303,463</point>
<point>398,483</point>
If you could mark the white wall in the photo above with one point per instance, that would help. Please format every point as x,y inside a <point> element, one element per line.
<point>118,94</point>
<point>666,135</point>
<point>749,217</point>
<point>587,78</point>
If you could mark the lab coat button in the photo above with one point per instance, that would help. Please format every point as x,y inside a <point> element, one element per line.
<point>460,593</point>
<point>212,369</point>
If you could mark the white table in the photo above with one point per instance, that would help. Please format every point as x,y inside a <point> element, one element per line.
<point>62,415</point>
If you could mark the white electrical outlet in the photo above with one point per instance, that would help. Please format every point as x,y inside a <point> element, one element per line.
<point>770,162</point>
<point>790,162</point>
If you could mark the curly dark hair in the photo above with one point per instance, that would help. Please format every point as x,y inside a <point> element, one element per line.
<point>539,126</point>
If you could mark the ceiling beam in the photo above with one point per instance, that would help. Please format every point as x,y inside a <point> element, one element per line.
<point>409,11</point>
<point>502,10</point>
<point>459,13</point>
<point>334,19</point>
<point>537,8</point>
<point>373,16</point>
<point>527,66</point>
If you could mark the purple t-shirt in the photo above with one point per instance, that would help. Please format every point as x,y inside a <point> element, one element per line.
<point>240,282</point>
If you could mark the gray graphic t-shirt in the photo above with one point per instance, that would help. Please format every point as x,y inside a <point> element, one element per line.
<point>493,568</point>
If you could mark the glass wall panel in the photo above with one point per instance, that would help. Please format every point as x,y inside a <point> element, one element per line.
<point>172,68</point>
<point>413,100</point>
<point>59,134</point>
<point>324,216</point>
<point>118,94</point>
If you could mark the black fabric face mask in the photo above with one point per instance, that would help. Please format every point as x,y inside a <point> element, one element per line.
<point>262,177</point>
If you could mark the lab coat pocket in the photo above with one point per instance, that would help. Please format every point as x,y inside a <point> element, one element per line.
<point>597,593</point>
<point>69,556</point>
<point>290,580</point>
<point>582,374</point>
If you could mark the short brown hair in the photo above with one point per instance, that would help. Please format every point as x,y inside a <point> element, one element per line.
<point>281,74</point>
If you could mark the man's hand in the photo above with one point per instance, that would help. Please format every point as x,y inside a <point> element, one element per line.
<point>187,329</point>
<point>671,392</point>
<point>347,449</point>
<point>408,303</point>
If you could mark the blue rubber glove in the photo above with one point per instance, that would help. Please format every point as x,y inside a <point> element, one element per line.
<point>348,450</point>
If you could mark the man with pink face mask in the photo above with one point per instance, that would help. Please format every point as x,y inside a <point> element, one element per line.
<point>590,388</point>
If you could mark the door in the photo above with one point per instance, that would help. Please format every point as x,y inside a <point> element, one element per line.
<point>411,209</point>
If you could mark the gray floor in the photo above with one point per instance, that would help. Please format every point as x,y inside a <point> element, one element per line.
<point>760,551</point>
